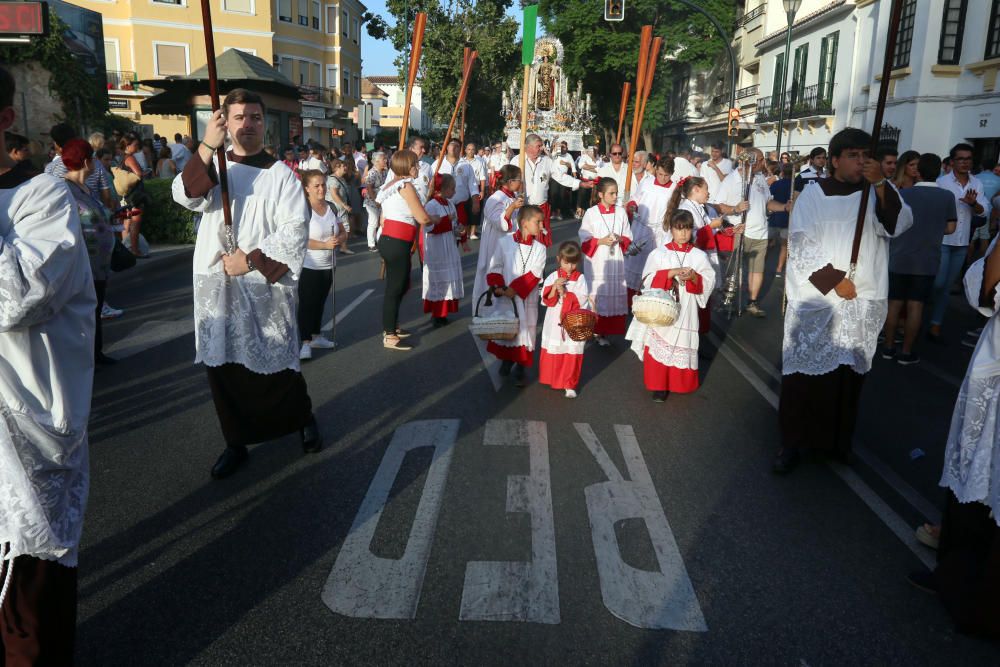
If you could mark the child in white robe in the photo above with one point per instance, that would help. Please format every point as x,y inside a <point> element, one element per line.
<point>605,236</point>
<point>442,273</point>
<point>515,273</point>
<point>499,220</point>
<point>670,354</point>
<point>647,226</point>
<point>565,290</point>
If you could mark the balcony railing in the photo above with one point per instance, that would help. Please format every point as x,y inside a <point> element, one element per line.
<point>749,91</point>
<point>318,94</point>
<point>751,15</point>
<point>121,80</point>
<point>799,103</point>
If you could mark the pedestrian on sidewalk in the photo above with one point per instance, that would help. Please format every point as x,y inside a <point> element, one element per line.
<point>833,318</point>
<point>326,234</point>
<point>565,290</point>
<point>374,181</point>
<point>781,192</point>
<point>914,257</point>
<point>46,380</point>
<point>246,300</point>
<point>338,191</point>
<point>605,237</point>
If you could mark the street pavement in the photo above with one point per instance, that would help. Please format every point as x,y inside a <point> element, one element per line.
<point>453,519</point>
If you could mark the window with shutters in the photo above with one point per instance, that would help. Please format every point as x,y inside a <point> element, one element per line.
<point>316,15</point>
<point>904,41</point>
<point>347,81</point>
<point>357,85</point>
<point>111,59</point>
<point>331,19</point>
<point>285,10</point>
<point>285,66</point>
<point>331,76</point>
<point>357,30</point>
<point>316,80</point>
<point>343,24</point>
<point>239,6</point>
<point>779,74</point>
<point>304,12</point>
<point>828,65</point>
<point>952,27</point>
<point>993,32</point>
<point>170,59</point>
<point>798,83</point>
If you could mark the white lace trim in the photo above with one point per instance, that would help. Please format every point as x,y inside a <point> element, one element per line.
<point>390,188</point>
<point>668,354</point>
<point>287,244</point>
<point>819,340</point>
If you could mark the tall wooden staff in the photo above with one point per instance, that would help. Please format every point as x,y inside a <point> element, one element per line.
<point>459,103</point>
<point>527,57</point>
<point>621,110</point>
<point>645,43</point>
<point>883,92</point>
<point>213,93</point>
<point>418,41</point>
<point>465,63</point>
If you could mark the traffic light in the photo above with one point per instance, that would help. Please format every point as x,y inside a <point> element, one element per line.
<point>614,10</point>
<point>734,122</point>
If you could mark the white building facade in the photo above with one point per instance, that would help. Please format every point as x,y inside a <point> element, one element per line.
<point>391,114</point>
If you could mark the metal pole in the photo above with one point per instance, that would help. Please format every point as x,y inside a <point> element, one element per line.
<point>784,84</point>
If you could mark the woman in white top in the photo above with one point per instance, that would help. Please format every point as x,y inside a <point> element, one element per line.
<point>316,280</point>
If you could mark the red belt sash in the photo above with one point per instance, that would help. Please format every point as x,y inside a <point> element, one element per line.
<point>442,227</point>
<point>404,231</point>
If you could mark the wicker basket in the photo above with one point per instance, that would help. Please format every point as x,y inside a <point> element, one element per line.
<point>494,328</point>
<point>656,308</point>
<point>579,324</point>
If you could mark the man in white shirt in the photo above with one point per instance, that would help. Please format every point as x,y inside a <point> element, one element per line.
<point>970,201</point>
<point>425,168</point>
<point>559,196</point>
<point>616,169</point>
<point>314,160</point>
<point>498,158</point>
<point>715,169</point>
<point>466,199</point>
<point>815,169</point>
<point>731,204</point>
<point>479,170</point>
<point>683,167</point>
<point>586,167</point>
<point>179,153</point>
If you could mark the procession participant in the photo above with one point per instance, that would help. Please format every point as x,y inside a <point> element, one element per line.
<point>691,195</point>
<point>539,171</point>
<point>245,300</point>
<point>326,234</point>
<point>374,180</point>
<point>559,195</point>
<point>46,379</point>
<point>641,177</point>
<point>683,167</point>
<point>495,162</point>
<point>586,167</point>
<point>755,232</point>
<point>605,236</point>
<point>425,167</point>
<point>561,358</point>
<point>498,221</point>
<point>833,319</point>
<point>647,225</point>
<point>403,215</point>
<point>473,205</point>
<point>466,197</point>
<point>443,286</point>
<point>616,170</point>
<point>515,272</point>
<point>670,354</point>
<point>715,169</point>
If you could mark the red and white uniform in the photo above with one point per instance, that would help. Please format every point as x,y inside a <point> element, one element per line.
<point>647,229</point>
<point>443,285</point>
<point>493,227</point>
<point>561,358</point>
<point>704,240</point>
<point>670,354</point>
<point>518,263</point>
<point>466,185</point>
<point>604,266</point>
<point>537,174</point>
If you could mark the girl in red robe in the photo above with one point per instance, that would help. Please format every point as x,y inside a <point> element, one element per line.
<point>564,290</point>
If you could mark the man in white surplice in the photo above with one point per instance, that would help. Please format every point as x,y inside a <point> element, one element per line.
<point>245,301</point>
<point>833,317</point>
<point>47,311</point>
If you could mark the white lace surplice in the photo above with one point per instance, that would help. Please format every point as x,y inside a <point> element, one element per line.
<point>972,456</point>
<point>823,332</point>
<point>47,305</point>
<point>442,273</point>
<point>605,271</point>
<point>493,228</point>
<point>246,320</point>
<point>514,260</point>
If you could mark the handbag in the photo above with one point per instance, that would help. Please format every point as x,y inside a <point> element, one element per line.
<point>121,258</point>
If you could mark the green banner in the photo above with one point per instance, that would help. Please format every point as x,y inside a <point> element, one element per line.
<point>528,45</point>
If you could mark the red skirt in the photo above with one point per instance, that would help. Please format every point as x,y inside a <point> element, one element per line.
<point>610,325</point>
<point>667,378</point>
<point>559,371</point>
<point>546,238</point>
<point>441,308</point>
<point>519,355</point>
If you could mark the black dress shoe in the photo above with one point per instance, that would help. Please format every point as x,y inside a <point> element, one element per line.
<point>924,580</point>
<point>312,441</point>
<point>785,461</point>
<point>519,380</point>
<point>230,459</point>
<point>505,367</point>
<point>659,397</point>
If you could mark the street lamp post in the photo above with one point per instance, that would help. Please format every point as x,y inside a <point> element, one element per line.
<point>791,6</point>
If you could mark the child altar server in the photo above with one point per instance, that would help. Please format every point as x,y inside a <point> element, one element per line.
<point>443,284</point>
<point>670,354</point>
<point>647,225</point>
<point>605,236</point>
<point>515,272</point>
<point>499,220</point>
<point>565,290</point>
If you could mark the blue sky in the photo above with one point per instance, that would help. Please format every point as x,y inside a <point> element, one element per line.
<point>378,56</point>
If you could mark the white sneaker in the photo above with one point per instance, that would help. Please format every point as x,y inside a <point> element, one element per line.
<point>306,352</point>
<point>570,393</point>
<point>322,343</point>
<point>109,313</point>
<point>603,341</point>
<point>473,237</point>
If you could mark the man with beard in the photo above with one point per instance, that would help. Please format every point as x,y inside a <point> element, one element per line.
<point>246,297</point>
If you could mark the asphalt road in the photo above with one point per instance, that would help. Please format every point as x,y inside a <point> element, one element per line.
<point>448,522</point>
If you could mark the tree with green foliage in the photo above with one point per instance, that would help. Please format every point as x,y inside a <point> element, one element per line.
<point>480,24</point>
<point>604,54</point>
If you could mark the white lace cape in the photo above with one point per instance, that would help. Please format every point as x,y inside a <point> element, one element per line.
<point>47,304</point>
<point>972,455</point>
<point>821,331</point>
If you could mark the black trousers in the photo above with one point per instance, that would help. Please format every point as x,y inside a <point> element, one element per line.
<point>38,617</point>
<point>396,254</point>
<point>819,411</point>
<point>473,218</point>
<point>100,286</point>
<point>254,407</point>
<point>314,287</point>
